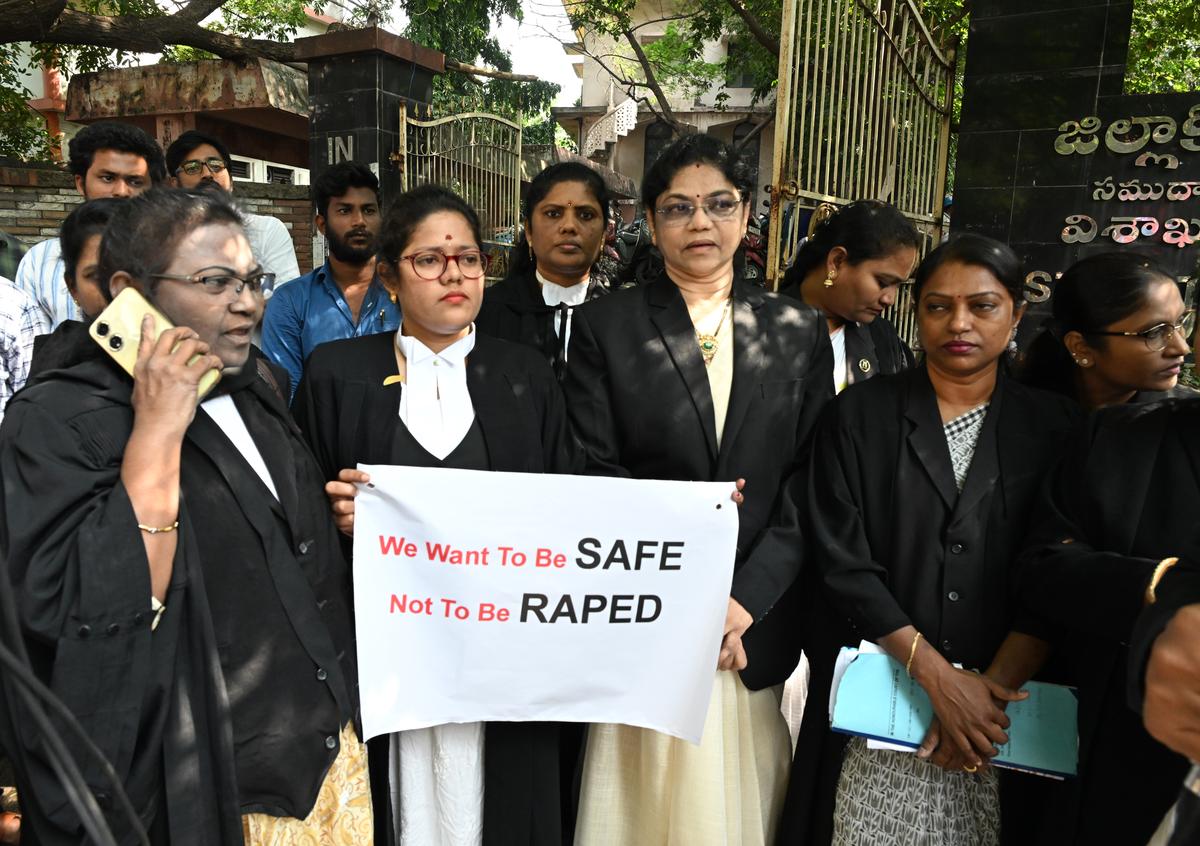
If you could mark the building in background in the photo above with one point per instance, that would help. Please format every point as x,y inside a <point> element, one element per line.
<point>612,129</point>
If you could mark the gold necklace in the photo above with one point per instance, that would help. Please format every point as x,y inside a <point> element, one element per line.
<point>708,343</point>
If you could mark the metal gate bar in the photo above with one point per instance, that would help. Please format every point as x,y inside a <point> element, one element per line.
<point>863,111</point>
<point>476,155</point>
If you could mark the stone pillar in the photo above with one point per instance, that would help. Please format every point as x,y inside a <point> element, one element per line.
<point>1034,69</point>
<point>357,80</point>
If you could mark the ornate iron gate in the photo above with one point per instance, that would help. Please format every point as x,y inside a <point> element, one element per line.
<point>863,111</point>
<point>476,155</point>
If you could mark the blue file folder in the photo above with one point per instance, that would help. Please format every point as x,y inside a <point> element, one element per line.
<point>876,699</point>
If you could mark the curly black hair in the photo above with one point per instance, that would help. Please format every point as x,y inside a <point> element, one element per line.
<point>122,137</point>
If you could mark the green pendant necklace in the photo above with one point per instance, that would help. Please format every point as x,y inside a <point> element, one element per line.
<point>708,343</point>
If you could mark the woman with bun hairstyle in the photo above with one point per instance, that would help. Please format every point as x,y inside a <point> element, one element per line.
<point>850,269</point>
<point>1119,334</point>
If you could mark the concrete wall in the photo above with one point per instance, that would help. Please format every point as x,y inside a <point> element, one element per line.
<point>35,199</point>
<point>1035,70</point>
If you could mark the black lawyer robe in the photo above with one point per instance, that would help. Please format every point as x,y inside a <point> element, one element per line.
<point>872,349</point>
<point>180,712</point>
<point>898,544</point>
<point>514,310</point>
<point>638,395</point>
<point>350,417</point>
<point>1125,496</point>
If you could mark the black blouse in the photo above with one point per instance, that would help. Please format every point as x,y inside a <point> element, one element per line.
<point>514,310</point>
<point>899,544</point>
<point>351,417</point>
<point>1124,497</point>
<point>872,349</point>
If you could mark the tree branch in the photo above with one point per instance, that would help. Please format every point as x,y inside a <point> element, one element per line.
<point>944,28</point>
<point>475,70</point>
<point>753,133</point>
<point>771,44</point>
<point>652,82</point>
<point>148,35</point>
<point>197,10</point>
<point>53,23</point>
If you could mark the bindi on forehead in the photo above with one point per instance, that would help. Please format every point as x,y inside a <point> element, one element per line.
<point>449,238</point>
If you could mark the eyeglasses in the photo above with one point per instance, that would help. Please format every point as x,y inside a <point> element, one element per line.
<point>1157,336</point>
<point>723,207</point>
<point>193,166</point>
<point>223,280</point>
<point>431,264</point>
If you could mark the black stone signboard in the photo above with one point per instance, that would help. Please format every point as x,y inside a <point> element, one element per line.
<point>357,81</point>
<point>1055,160</point>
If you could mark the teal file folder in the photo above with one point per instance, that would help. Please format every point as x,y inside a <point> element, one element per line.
<point>877,699</point>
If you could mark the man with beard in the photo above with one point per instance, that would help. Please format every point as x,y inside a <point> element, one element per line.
<point>197,160</point>
<point>343,298</point>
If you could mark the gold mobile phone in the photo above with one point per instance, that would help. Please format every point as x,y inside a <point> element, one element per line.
<point>118,330</point>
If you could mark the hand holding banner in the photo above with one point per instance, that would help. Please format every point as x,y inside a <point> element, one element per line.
<point>513,596</point>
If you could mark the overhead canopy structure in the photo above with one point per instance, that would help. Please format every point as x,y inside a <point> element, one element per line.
<point>259,108</point>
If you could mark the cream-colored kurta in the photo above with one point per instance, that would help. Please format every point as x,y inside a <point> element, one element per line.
<point>642,788</point>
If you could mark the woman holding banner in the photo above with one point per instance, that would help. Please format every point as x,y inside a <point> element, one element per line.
<point>438,394</point>
<point>920,489</point>
<point>700,376</point>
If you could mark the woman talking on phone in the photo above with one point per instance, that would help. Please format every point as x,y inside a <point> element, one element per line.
<point>148,534</point>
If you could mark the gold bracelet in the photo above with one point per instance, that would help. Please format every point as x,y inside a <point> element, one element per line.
<point>158,530</point>
<point>1159,571</point>
<point>912,653</point>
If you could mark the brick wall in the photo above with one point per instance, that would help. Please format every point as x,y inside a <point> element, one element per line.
<point>35,199</point>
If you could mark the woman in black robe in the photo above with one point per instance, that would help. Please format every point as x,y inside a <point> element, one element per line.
<point>1119,334</point>
<point>566,218</point>
<point>921,485</point>
<point>851,269</point>
<point>159,546</point>
<point>699,376</point>
<point>1123,499</point>
<point>486,404</point>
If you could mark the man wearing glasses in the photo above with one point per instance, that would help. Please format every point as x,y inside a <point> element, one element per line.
<point>198,160</point>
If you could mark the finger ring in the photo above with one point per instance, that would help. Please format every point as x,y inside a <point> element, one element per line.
<point>970,769</point>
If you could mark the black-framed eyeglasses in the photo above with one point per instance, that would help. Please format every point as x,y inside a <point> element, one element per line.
<point>720,207</point>
<point>222,280</point>
<point>1158,336</point>
<point>193,166</point>
<point>431,264</point>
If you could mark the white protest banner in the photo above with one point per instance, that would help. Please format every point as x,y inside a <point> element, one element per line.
<point>517,596</point>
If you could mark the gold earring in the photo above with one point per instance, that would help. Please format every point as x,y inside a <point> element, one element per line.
<point>828,283</point>
<point>393,297</point>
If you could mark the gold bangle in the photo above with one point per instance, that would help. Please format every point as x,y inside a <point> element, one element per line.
<point>1159,571</point>
<point>912,653</point>
<point>158,530</point>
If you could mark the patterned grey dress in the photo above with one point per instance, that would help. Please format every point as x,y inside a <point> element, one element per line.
<point>896,799</point>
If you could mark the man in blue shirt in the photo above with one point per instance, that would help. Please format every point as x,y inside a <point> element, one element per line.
<point>343,298</point>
